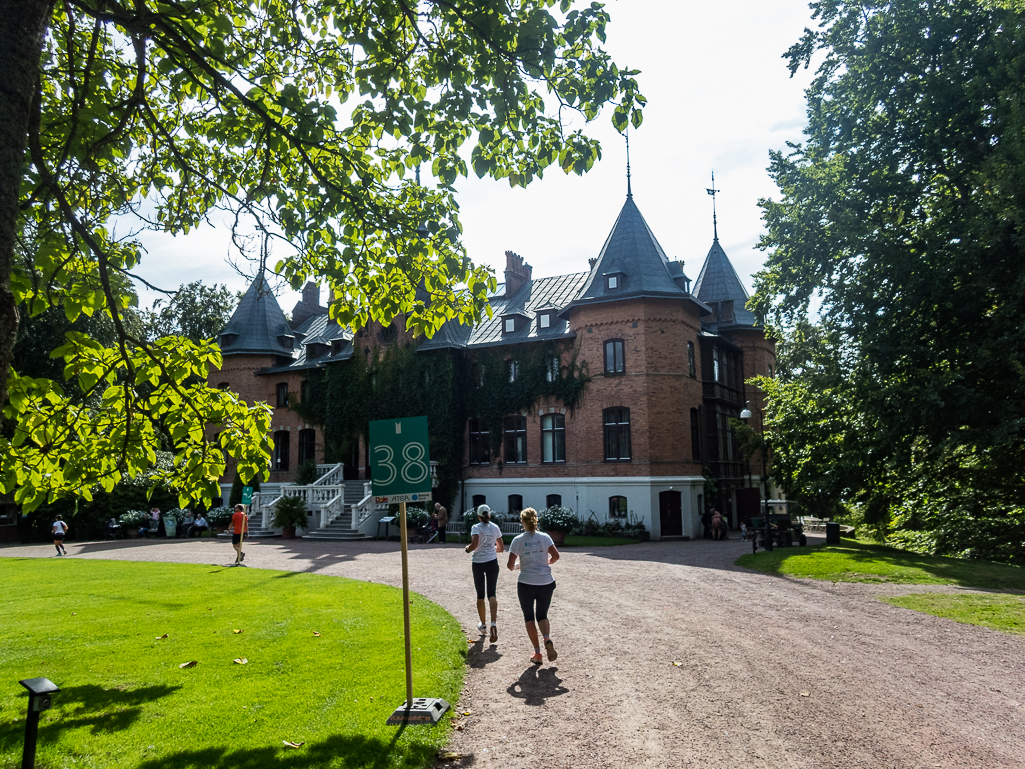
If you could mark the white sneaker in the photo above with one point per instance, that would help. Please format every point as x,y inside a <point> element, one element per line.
<point>481,628</point>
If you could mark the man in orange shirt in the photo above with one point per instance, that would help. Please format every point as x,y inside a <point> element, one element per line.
<point>239,526</point>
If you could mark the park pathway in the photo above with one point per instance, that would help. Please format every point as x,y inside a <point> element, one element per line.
<point>670,656</point>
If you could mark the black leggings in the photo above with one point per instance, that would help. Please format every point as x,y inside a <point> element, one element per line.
<point>529,594</point>
<point>485,572</point>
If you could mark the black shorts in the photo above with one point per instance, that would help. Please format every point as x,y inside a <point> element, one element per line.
<point>236,539</point>
<point>58,537</point>
<point>486,572</point>
<point>529,595</point>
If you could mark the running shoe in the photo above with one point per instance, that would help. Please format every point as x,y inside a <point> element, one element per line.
<point>494,632</point>
<point>243,557</point>
<point>482,628</point>
<point>550,648</point>
<point>537,659</point>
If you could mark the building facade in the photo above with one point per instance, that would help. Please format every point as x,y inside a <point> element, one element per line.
<point>630,378</point>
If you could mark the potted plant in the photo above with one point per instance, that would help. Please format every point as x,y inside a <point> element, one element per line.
<point>219,518</point>
<point>290,514</point>
<point>556,521</point>
<point>132,521</point>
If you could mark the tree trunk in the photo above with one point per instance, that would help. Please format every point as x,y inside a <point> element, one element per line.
<point>23,25</point>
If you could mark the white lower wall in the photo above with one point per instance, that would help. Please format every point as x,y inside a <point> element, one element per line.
<point>585,495</point>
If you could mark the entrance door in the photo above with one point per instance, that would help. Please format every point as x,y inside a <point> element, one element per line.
<point>670,513</point>
<point>350,469</point>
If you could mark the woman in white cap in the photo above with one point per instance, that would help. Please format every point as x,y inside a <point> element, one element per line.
<point>485,544</point>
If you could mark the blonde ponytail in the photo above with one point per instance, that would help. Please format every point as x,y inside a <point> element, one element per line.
<point>528,517</point>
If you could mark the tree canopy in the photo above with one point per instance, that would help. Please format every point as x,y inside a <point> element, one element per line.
<point>306,122</point>
<point>902,216</point>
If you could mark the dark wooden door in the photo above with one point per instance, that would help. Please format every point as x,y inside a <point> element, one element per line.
<point>670,513</point>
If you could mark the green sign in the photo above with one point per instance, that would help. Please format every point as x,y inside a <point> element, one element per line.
<point>247,495</point>
<point>399,461</point>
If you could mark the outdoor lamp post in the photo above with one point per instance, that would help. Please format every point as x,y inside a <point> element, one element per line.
<point>746,415</point>
<point>40,698</point>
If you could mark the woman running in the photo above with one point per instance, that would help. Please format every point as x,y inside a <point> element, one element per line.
<point>485,544</point>
<point>537,553</point>
<point>59,529</point>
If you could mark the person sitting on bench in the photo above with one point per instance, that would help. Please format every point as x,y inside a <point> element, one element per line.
<point>199,526</point>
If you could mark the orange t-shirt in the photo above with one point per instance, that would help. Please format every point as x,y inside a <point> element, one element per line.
<point>239,523</point>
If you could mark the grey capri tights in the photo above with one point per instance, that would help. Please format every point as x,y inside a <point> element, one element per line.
<point>529,595</point>
<point>486,572</point>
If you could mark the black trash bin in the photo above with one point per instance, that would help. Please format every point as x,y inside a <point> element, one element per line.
<point>832,533</point>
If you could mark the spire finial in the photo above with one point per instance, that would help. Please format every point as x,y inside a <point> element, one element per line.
<point>712,191</point>
<point>629,192</point>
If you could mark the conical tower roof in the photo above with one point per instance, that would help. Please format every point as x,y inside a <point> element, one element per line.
<point>719,282</point>
<point>634,256</point>
<point>258,326</point>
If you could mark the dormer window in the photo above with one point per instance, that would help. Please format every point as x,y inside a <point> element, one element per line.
<point>509,325</point>
<point>544,320</point>
<point>614,281</point>
<point>288,342</point>
<point>228,339</point>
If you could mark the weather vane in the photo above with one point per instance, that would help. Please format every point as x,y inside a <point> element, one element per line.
<point>711,191</point>
<point>626,134</point>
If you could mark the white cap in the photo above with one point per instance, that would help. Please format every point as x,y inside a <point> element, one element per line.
<point>483,509</point>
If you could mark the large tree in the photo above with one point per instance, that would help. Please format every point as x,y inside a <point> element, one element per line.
<point>305,120</point>
<point>903,215</point>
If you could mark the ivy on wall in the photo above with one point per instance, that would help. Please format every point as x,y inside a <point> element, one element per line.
<point>445,385</point>
<point>493,393</point>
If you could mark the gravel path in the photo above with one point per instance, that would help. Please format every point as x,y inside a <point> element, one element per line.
<point>774,672</point>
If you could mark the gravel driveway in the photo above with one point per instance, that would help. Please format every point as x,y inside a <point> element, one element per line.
<point>774,672</point>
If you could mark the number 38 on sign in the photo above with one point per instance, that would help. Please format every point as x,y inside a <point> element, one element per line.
<point>400,462</point>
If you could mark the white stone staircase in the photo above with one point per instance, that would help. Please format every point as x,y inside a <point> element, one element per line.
<point>340,528</point>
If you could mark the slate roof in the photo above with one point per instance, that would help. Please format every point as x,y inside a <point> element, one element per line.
<point>258,326</point>
<point>535,295</point>
<point>718,281</point>
<point>632,250</point>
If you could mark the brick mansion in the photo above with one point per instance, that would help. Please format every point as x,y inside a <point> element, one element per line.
<point>662,364</point>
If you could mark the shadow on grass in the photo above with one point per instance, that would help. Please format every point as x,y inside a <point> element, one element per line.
<point>99,709</point>
<point>337,751</point>
<point>537,685</point>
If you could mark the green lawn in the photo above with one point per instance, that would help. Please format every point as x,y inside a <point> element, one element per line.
<point>854,561</point>
<point>95,629</point>
<point>1000,612</point>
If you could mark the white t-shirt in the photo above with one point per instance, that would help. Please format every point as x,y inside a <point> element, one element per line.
<point>531,547</point>
<point>487,534</point>
<point>59,527</point>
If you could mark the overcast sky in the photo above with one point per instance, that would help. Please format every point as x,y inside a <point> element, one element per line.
<point>719,98</point>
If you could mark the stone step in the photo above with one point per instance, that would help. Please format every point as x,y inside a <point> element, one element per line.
<point>338,536</point>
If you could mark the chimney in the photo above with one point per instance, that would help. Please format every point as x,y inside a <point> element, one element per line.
<point>591,261</point>
<point>726,312</point>
<point>517,272</point>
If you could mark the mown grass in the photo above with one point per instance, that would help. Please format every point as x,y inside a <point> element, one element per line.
<point>854,561</point>
<point>95,629</point>
<point>1000,612</point>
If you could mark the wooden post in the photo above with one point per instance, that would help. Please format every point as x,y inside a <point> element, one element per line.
<point>405,605</point>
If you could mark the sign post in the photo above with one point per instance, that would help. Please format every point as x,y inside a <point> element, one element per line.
<point>401,472</point>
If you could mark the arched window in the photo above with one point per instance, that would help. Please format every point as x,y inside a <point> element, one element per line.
<point>692,367</point>
<point>480,443</point>
<point>617,507</point>
<point>614,357</point>
<point>478,500</point>
<point>516,439</point>
<point>617,434</point>
<point>515,503</point>
<point>280,457</point>
<point>224,385</point>
<point>307,446</point>
<point>553,499</point>
<point>553,438</point>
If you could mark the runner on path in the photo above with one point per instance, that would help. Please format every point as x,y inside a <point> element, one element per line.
<point>485,544</point>
<point>239,527</point>
<point>59,529</point>
<point>537,553</point>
